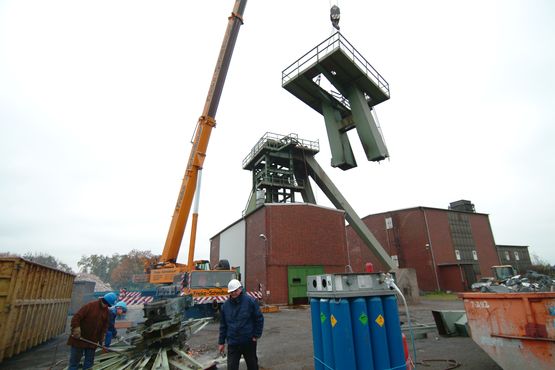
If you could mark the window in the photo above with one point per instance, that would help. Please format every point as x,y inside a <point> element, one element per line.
<point>457,255</point>
<point>507,256</point>
<point>517,256</point>
<point>475,255</point>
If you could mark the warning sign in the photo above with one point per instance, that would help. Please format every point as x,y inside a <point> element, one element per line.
<point>380,320</point>
<point>333,321</point>
<point>363,319</point>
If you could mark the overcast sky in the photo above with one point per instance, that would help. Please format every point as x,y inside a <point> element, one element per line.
<point>99,100</point>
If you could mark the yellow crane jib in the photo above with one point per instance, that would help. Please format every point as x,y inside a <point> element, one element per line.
<point>167,267</point>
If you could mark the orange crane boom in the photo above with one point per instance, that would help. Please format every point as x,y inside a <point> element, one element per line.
<point>168,265</point>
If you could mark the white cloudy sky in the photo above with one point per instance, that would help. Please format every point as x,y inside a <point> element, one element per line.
<point>99,99</point>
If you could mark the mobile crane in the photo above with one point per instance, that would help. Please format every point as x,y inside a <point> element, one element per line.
<point>165,268</point>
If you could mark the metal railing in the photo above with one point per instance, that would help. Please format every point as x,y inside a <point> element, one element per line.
<point>276,141</point>
<point>326,47</point>
<point>285,182</point>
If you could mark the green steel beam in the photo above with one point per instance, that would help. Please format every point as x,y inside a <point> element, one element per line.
<point>341,152</point>
<point>366,127</point>
<point>335,196</point>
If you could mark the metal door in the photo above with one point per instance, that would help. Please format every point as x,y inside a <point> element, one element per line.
<point>296,282</point>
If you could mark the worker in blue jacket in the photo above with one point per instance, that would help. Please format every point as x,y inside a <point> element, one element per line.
<point>119,309</point>
<point>241,325</point>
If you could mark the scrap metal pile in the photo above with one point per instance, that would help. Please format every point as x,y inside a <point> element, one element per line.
<point>531,281</point>
<point>157,343</point>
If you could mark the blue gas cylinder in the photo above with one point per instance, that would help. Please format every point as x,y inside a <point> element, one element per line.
<point>342,334</point>
<point>316,334</point>
<point>394,335</point>
<point>327,342</point>
<point>378,333</point>
<point>361,334</point>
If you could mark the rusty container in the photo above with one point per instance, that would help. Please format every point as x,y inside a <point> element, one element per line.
<point>34,302</point>
<point>517,330</point>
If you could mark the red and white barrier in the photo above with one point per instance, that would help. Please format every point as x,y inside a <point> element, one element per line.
<point>133,298</point>
<point>136,298</point>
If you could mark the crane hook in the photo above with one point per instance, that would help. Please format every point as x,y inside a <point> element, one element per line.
<point>335,14</point>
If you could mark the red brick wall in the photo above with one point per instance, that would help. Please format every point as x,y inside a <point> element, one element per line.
<point>297,235</point>
<point>450,277</point>
<point>485,244</point>
<point>255,255</point>
<point>408,240</point>
<point>413,235</point>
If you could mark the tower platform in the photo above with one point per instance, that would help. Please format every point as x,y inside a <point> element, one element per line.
<point>338,60</point>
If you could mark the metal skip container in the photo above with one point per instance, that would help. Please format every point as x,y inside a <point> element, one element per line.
<point>517,330</point>
<point>34,302</point>
<point>355,322</point>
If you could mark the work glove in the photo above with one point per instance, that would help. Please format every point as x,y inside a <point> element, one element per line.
<point>76,332</point>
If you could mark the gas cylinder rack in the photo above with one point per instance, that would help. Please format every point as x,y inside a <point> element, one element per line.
<point>355,322</point>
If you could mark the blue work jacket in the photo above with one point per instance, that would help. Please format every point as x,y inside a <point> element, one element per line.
<point>240,320</point>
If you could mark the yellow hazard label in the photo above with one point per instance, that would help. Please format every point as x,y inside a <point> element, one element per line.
<point>380,320</point>
<point>333,321</point>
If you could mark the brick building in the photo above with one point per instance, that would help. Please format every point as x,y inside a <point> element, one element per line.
<point>277,245</point>
<point>449,249</point>
<point>515,255</point>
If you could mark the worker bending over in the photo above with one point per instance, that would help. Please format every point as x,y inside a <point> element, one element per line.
<point>88,327</point>
<point>114,312</point>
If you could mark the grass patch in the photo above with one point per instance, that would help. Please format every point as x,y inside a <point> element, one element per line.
<point>440,296</point>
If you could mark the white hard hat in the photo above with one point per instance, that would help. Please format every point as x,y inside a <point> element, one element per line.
<point>233,285</point>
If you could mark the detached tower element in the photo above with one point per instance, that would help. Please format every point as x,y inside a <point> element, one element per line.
<point>336,64</point>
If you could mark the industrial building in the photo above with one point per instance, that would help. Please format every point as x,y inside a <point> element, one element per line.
<point>515,255</point>
<point>449,248</point>
<point>277,245</point>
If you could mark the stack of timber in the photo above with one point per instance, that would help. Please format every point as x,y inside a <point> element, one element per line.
<point>34,302</point>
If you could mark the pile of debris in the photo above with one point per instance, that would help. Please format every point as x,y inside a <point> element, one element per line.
<point>100,285</point>
<point>160,342</point>
<point>531,281</point>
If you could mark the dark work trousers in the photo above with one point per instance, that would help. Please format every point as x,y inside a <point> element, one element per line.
<point>248,350</point>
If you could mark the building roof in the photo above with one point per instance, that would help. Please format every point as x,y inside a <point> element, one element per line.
<point>423,207</point>
<point>512,246</point>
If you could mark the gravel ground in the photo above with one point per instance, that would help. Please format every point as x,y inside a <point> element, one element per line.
<point>287,344</point>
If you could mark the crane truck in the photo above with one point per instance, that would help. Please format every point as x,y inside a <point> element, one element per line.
<point>196,277</point>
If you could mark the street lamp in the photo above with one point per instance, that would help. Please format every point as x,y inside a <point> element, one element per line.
<point>265,286</point>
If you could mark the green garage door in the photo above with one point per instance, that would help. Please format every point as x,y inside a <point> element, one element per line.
<point>296,281</point>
